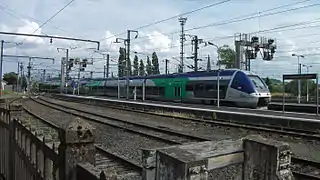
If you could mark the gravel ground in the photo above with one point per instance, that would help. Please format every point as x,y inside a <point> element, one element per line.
<point>301,147</point>
<point>113,139</point>
<point>177,138</point>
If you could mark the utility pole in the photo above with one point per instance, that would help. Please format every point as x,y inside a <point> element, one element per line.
<point>18,73</point>
<point>104,72</point>
<point>44,75</point>
<point>64,64</point>
<point>127,55</point>
<point>67,60</point>
<point>29,76</point>
<point>29,66</point>
<point>62,75</point>
<point>108,65</point>
<point>127,62</point>
<point>22,76</point>
<point>307,66</point>
<point>1,62</point>
<point>195,55</point>
<point>182,39</point>
<point>128,41</point>
<point>299,72</point>
<point>167,61</point>
<point>208,63</point>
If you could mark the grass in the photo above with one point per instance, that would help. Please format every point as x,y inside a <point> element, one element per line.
<point>175,114</point>
<point>277,94</point>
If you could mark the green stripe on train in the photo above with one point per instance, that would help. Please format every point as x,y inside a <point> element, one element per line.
<point>172,86</point>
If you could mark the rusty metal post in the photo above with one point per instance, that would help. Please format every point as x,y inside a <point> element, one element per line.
<point>266,159</point>
<point>77,146</point>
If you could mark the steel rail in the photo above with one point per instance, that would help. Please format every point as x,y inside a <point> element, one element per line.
<point>77,113</point>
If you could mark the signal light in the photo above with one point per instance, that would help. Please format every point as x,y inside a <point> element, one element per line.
<point>273,50</point>
<point>254,39</point>
<point>257,48</point>
<point>270,41</point>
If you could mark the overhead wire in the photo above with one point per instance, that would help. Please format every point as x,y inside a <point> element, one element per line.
<point>172,17</point>
<point>236,19</point>
<point>260,31</point>
<point>244,17</point>
<point>13,13</point>
<point>53,16</point>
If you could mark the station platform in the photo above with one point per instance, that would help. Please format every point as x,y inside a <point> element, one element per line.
<point>294,107</point>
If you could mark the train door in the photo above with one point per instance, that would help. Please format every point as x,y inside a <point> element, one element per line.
<point>177,90</point>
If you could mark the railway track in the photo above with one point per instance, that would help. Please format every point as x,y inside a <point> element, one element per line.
<point>305,169</point>
<point>302,169</point>
<point>112,164</point>
<point>125,139</point>
<point>165,135</point>
<point>264,128</point>
<point>115,165</point>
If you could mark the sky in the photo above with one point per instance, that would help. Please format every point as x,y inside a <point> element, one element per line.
<point>294,24</point>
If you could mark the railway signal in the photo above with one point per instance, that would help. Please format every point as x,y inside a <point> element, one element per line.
<point>253,45</point>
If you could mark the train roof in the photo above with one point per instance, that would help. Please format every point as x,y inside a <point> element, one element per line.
<point>223,72</point>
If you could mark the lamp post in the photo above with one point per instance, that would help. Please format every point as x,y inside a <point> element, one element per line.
<point>307,67</point>
<point>299,72</point>
<point>219,67</point>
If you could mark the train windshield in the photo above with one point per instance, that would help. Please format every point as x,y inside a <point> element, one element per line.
<point>258,82</point>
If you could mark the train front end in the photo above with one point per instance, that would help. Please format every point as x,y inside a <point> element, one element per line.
<point>262,93</point>
<point>248,90</point>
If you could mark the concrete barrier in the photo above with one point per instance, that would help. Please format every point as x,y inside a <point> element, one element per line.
<point>251,158</point>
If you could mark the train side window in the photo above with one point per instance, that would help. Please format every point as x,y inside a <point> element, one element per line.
<point>189,87</point>
<point>236,82</point>
<point>199,87</point>
<point>210,87</point>
<point>161,91</point>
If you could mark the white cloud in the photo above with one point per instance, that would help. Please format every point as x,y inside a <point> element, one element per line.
<point>30,27</point>
<point>159,41</point>
<point>4,28</point>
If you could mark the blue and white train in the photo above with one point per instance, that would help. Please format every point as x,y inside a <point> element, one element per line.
<point>239,88</point>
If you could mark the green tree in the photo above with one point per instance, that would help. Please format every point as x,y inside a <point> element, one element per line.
<point>121,62</point>
<point>141,68</point>
<point>135,66</point>
<point>149,67</point>
<point>227,56</point>
<point>129,67</point>
<point>269,84</point>
<point>292,87</point>
<point>155,63</point>
<point>22,82</point>
<point>10,78</point>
